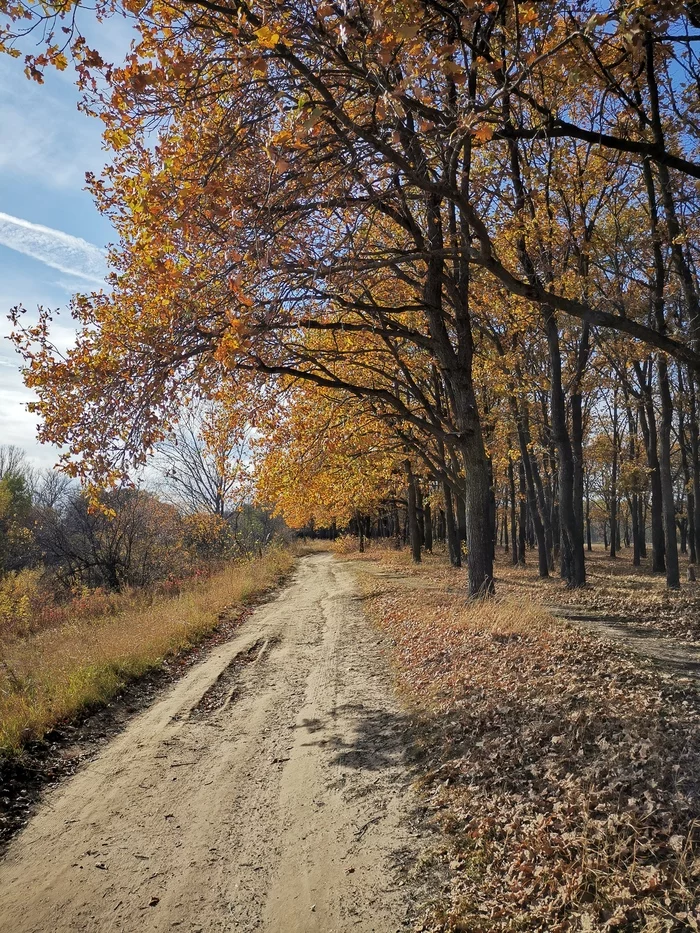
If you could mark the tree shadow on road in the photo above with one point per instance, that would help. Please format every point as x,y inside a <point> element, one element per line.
<point>365,737</point>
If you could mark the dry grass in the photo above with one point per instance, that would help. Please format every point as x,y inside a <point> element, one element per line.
<point>563,774</point>
<point>311,546</point>
<point>52,675</point>
<point>615,588</point>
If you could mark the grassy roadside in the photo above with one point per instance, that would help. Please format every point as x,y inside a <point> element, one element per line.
<point>564,775</point>
<point>55,674</point>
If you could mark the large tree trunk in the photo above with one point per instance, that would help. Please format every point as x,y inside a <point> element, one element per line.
<point>549,485</point>
<point>413,530</point>
<point>459,501</point>
<point>452,535</point>
<point>453,543</point>
<point>544,511</point>
<point>420,514</point>
<point>427,526</point>
<point>479,526</point>
<point>479,517</point>
<point>513,513</point>
<point>673,579</point>
<point>589,540</point>
<point>694,453</point>
<point>613,484</point>
<point>535,516</point>
<point>636,550</point>
<point>573,559</point>
<point>577,449</point>
<point>461,516</point>
<point>634,497</point>
<point>647,421</point>
<point>687,486</point>
<point>658,306</point>
<point>523,517</point>
<point>584,352</point>
<point>456,364</point>
<point>642,506</point>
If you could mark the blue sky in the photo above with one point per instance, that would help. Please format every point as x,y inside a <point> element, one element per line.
<point>51,235</point>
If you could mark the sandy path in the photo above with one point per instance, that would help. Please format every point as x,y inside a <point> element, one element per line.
<point>671,655</point>
<point>264,791</point>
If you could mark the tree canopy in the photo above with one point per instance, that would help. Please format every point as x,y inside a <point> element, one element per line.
<point>422,239</point>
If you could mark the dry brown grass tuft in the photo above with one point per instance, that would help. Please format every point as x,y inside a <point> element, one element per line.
<point>52,675</point>
<point>505,618</point>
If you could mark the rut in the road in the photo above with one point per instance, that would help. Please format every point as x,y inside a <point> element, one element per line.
<point>227,686</point>
<point>268,790</point>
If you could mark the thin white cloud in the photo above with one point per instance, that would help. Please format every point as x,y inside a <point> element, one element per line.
<point>69,254</point>
<point>46,141</point>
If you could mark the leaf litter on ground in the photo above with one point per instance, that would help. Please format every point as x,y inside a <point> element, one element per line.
<point>564,775</point>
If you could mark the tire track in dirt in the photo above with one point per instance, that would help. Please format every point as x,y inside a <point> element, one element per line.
<point>267,790</point>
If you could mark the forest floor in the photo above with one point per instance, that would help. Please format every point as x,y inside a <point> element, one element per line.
<point>628,605</point>
<point>616,592</point>
<point>269,789</point>
<point>562,766</point>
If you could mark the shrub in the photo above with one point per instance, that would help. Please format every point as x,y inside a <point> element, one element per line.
<point>21,600</point>
<point>52,675</point>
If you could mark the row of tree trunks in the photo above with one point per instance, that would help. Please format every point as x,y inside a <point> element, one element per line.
<point>548,504</point>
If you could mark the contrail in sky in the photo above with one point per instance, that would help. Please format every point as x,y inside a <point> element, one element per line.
<point>69,254</point>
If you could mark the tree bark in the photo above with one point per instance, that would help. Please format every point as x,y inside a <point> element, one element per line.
<point>613,483</point>
<point>589,541</point>
<point>453,541</point>
<point>413,529</point>
<point>689,536</point>
<point>673,579</point>
<point>658,306</point>
<point>513,514</point>
<point>419,510</point>
<point>428,526</point>
<point>694,453</point>
<point>478,517</point>
<point>573,559</point>
<point>522,525</point>
<point>636,549</point>
<point>535,517</point>
<point>647,421</point>
<point>642,506</point>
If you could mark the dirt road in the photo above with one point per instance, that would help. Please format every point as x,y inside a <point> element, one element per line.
<point>669,655</point>
<point>267,790</point>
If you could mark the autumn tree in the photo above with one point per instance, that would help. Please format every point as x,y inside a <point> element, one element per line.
<point>419,163</point>
<point>206,462</point>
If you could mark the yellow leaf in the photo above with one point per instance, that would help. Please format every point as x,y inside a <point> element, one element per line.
<point>267,38</point>
<point>528,14</point>
<point>483,133</point>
